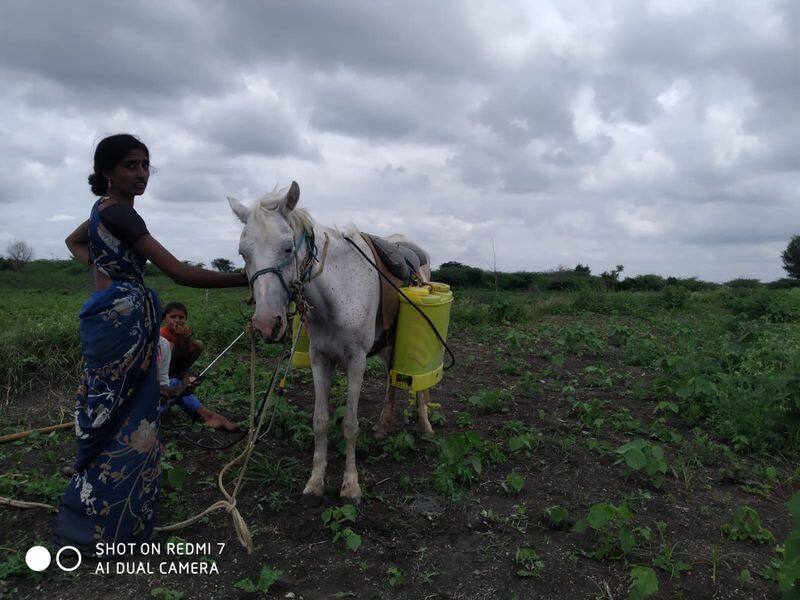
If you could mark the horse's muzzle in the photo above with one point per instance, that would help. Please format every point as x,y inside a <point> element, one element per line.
<point>272,330</point>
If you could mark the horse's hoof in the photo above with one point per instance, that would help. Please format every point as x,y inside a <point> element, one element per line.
<point>310,501</point>
<point>354,501</point>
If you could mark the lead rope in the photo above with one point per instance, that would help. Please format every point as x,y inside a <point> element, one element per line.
<point>229,504</point>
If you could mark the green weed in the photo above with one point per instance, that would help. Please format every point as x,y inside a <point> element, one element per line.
<point>490,401</point>
<point>643,583</point>
<point>555,517</point>
<point>642,456</point>
<point>617,536</point>
<point>398,446</point>
<point>668,558</point>
<point>528,562</point>
<point>336,518</point>
<point>746,525</point>
<point>266,579</point>
<point>513,483</point>
<point>396,575</point>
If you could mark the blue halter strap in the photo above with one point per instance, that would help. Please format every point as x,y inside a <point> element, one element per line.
<point>278,269</point>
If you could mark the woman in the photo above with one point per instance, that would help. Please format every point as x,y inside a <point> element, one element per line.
<point>114,491</point>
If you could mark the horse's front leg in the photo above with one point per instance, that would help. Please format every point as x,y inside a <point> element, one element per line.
<point>322,369</point>
<point>355,376</point>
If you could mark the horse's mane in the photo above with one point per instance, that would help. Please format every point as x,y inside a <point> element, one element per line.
<point>299,218</point>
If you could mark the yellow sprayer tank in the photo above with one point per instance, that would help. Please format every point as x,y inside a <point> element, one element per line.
<point>300,358</point>
<point>418,354</point>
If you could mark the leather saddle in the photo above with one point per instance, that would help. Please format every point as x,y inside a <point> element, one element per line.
<point>403,259</point>
<point>398,261</point>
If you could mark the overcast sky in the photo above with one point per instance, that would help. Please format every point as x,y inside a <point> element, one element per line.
<point>660,135</point>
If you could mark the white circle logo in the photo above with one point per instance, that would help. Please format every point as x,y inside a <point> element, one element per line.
<point>58,558</point>
<point>37,558</point>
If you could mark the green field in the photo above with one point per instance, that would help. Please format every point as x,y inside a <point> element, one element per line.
<point>732,355</point>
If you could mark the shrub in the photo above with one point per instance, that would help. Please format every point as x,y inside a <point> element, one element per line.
<point>773,306</point>
<point>743,283</point>
<point>643,283</point>
<point>458,275</point>
<point>673,296</point>
<point>465,313</point>
<point>506,310</point>
<point>779,284</point>
<point>692,284</point>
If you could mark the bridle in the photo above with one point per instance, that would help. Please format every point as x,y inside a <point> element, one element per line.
<point>295,288</point>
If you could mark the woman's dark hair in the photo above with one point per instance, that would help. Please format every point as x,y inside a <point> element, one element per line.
<point>109,152</point>
<point>175,306</point>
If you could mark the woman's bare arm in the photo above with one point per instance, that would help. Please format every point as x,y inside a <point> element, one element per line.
<point>184,274</point>
<point>78,243</point>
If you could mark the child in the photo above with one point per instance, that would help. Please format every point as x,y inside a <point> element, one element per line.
<point>177,352</point>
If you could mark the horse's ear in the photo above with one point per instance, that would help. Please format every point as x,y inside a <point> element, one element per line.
<point>239,209</point>
<point>292,196</point>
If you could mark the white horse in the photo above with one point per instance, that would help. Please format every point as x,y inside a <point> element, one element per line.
<point>343,291</point>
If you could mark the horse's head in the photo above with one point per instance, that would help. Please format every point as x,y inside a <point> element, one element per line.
<point>269,245</point>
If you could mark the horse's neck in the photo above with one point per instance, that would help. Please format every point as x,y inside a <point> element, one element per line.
<point>339,277</point>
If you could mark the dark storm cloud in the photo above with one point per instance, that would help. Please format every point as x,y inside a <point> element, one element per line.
<point>248,123</point>
<point>533,103</point>
<point>353,110</point>
<point>376,38</point>
<point>131,48</point>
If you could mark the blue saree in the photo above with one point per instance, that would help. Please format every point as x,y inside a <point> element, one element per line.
<point>114,493</point>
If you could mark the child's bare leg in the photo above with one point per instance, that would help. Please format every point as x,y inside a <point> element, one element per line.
<point>216,420</point>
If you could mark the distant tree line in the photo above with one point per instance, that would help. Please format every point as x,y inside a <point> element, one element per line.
<point>464,276</point>
<point>458,275</point>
